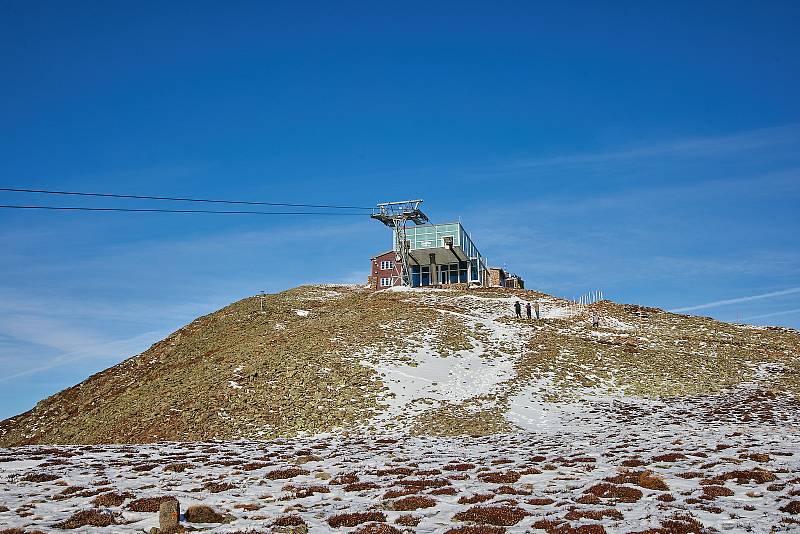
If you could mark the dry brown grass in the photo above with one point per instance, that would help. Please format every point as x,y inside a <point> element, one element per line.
<point>474,499</point>
<point>669,457</point>
<point>377,528</point>
<point>792,507</point>
<point>111,499</point>
<point>476,530</point>
<point>355,518</point>
<point>361,486</point>
<point>289,521</point>
<point>87,518</point>
<point>757,475</point>
<point>408,520</point>
<point>492,515</point>
<point>218,487</point>
<point>39,477</point>
<point>644,479</point>
<point>201,513</point>
<point>612,491</point>
<point>540,502</point>
<point>178,467</point>
<point>408,504</point>
<point>149,504</point>
<point>497,477</point>
<point>459,467</point>
<point>424,483</point>
<point>289,472</point>
<point>597,515</point>
<point>712,492</point>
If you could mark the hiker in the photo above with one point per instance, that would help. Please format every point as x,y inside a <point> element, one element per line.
<point>518,309</point>
<point>528,309</point>
<point>595,319</point>
<point>536,309</point>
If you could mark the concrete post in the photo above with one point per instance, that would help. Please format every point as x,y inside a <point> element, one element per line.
<point>434,273</point>
<point>168,515</point>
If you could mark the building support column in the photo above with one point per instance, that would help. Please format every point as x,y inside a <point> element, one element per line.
<point>434,272</point>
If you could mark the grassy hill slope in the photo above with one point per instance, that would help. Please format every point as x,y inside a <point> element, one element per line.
<point>429,361</point>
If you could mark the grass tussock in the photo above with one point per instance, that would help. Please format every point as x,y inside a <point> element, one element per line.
<point>378,528</point>
<point>201,513</point>
<point>408,504</point>
<point>111,499</point>
<point>625,494</point>
<point>492,515</point>
<point>355,518</point>
<point>87,518</point>
<point>283,474</point>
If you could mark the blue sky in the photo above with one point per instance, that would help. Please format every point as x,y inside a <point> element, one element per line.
<point>649,151</point>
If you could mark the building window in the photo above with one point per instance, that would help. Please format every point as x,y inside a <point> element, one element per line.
<point>386,282</point>
<point>386,265</point>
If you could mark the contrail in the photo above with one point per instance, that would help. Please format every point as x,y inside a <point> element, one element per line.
<point>738,300</point>
<point>773,314</point>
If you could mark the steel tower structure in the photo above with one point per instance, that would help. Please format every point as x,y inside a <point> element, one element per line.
<point>396,215</point>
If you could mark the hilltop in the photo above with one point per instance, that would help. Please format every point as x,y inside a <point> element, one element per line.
<point>423,361</point>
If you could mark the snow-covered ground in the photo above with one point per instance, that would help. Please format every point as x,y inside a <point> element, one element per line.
<point>623,477</point>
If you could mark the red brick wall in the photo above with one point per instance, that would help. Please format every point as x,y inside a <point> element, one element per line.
<point>378,273</point>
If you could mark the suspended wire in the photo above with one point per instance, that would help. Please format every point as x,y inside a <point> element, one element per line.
<point>180,199</point>
<point>155,210</point>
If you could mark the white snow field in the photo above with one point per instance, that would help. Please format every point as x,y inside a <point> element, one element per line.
<point>621,478</point>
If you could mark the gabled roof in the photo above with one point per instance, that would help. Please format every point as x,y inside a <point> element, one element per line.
<point>381,254</point>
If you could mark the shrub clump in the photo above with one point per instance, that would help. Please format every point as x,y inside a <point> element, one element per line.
<point>39,477</point>
<point>474,499</point>
<point>576,515</point>
<point>459,467</point>
<point>759,476</point>
<point>87,518</point>
<point>792,508</point>
<point>178,467</point>
<point>492,515</point>
<point>612,491</point>
<point>669,457</point>
<point>644,479</point>
<point>413,503</point>
<point>111,499</point>
<point>540,502</point>
<point>712,492</point>
<point>355,518</point>
<point>217,487</point>
<point>289,472</point>
<point>509,477</point>
<point>408,520</point>
<point>289,521</point>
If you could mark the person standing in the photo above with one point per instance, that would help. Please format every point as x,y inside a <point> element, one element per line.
<point>518,309</point>
<point>536,309</point>
<point>595,319</point>
<point>528,310</point>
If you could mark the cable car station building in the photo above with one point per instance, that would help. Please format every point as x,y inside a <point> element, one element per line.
<point>438,255</point>
<point>444,254</point>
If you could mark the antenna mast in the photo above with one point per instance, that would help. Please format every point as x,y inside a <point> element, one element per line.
<point>396,215</point>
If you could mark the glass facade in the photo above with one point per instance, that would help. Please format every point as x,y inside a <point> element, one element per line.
<point>431,236</point>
